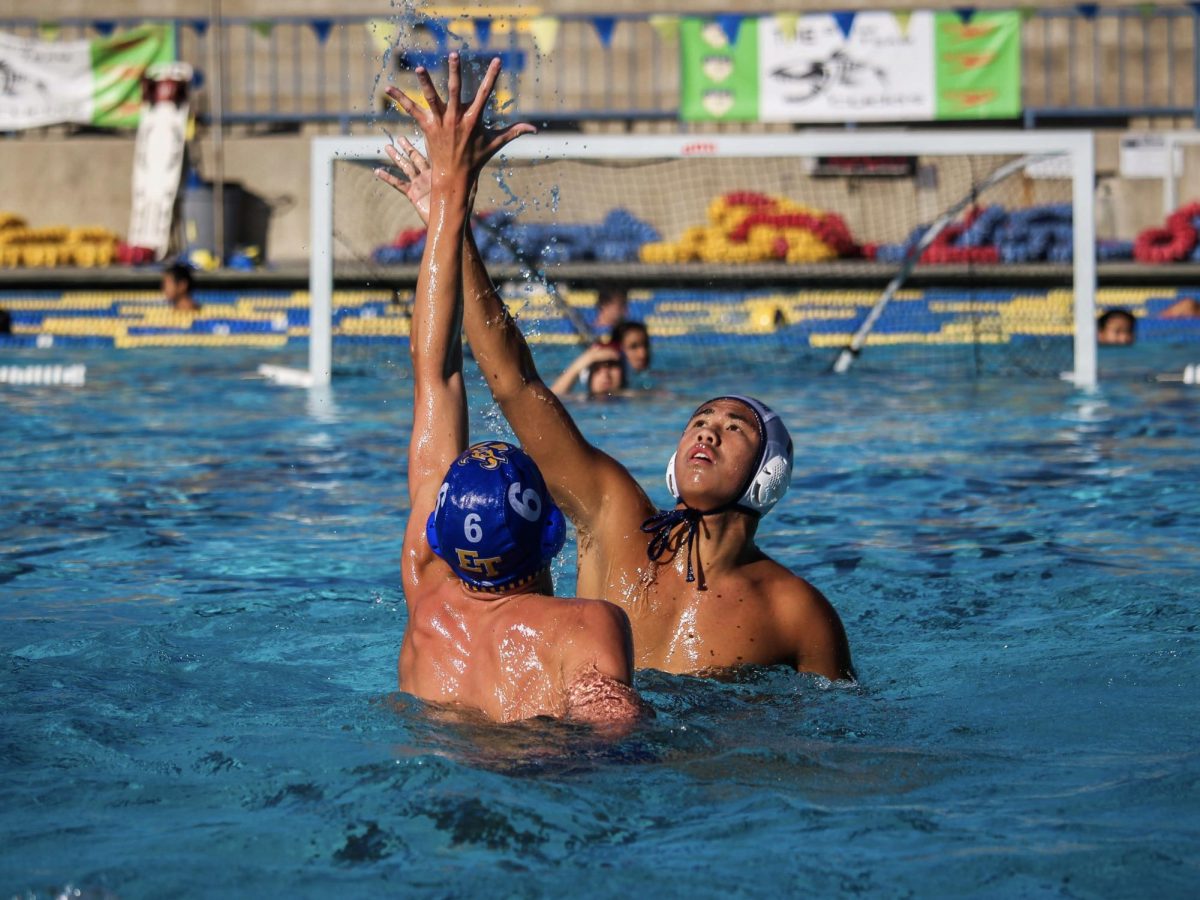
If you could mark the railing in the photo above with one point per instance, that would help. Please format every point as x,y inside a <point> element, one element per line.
<point>1079,63</point>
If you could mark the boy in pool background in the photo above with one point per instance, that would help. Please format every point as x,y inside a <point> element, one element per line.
<point>177,284</point>
<point>699,593</point>
<point>1117,327</point>
<point>481,631</point>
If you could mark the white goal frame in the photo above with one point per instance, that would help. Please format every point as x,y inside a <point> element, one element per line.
<point>1077,146</point>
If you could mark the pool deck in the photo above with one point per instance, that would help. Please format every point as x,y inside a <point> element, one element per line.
<point>294,276</point>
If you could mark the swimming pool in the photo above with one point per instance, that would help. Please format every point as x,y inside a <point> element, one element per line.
<point>201,618</point>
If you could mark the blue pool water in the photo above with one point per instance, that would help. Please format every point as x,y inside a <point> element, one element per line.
<point>201,617</point>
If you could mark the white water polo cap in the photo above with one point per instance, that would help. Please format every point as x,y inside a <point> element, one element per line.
<point>772,477</point>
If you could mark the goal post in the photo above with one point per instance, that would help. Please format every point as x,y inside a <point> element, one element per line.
<point>1074,152</point>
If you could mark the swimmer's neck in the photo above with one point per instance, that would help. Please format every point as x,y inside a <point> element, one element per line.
<point>726,539</point>
<point>540,586</point>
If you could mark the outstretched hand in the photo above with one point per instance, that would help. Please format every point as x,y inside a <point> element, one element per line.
<point>457,141</point>
<point>409,160</point>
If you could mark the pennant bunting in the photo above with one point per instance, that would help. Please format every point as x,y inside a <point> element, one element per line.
<point>263,27</point>
<point>730,24</point>
<point>544,31</point>
<point>1088,10</point>
<point>483,31</point>
<point>965,14</point>
<point>1027,12</point>
<point>104,27</point>
<point>845,22</point>
<point>200,26</point>
<point>321,28</point>
<point>903,17</point>
<point>49,31</point>
<point>604,26</point>
<point>1147,10</point>
<point>666,26</point>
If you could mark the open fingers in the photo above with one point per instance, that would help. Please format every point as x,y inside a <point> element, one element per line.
<point>485,87</point>
<point>417,157</point>
<point>402,162</point>
<point>388,178</point>
<point>429,92</point>
<point>454,84</point>
<point>405,102</point>
<point>507,136</point>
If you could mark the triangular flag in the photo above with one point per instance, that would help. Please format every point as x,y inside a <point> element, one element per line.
<point>903,17</point>
<point>104,27</point>
<point>384,33</point>
<point>263,27</point>
<point>483,30</point>
<point>1088,10</point>
<point>731,24</point>
<point>544,30</point>
<point>666,26</point>
<point>604,26</point>
<point>321,28</point>
<point>845,22</point>
<point>1027,12</point>
<point>1195,8</point>
<point>787,23</point>
<point>1147,9</point>
<point>965,14</point>
<point>200,26</point>
<point>49,31</point>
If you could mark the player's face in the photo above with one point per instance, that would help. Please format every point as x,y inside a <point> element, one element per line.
<point>605,377</point>
<point>1116,331</point>
<point>715,453</point>
<point>636,347</point>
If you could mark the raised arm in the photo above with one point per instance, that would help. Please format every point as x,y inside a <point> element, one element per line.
<point>538,417</point>
<point>458,147</point>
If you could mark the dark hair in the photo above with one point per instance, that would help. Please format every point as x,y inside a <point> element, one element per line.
<point>623,328</point>
<point>5,322</point>
<point>608,296</point>
<point>1118,313</point>
<point>180,272</point>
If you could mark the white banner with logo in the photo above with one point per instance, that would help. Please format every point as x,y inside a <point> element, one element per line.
<point>158,156</point>
<point>883,70</point>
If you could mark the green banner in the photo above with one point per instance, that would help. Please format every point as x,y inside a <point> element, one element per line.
<point>978,65</point>
<point>118,64</point>
<point>718,79</point>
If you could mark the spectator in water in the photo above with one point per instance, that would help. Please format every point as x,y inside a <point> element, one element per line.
<point>177,285</point>
<point>612,305</point>
<point>1117,327</point>
<point>601,368</point>
<point>634,341</point>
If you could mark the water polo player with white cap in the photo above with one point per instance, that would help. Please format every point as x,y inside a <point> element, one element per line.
<point>483,632</point>
<point>698,591</point>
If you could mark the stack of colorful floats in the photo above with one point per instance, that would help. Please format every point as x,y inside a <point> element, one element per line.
<point>54,246</point>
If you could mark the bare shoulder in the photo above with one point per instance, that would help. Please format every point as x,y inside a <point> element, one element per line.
<point>807,618</point>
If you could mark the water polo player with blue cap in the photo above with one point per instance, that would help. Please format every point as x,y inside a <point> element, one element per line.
<point>483,632</point>
<point>699,592</point>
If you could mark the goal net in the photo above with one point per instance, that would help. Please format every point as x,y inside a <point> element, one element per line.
<point>783,243</point>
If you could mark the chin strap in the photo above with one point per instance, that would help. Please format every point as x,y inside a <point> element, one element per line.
<point>662,524</point>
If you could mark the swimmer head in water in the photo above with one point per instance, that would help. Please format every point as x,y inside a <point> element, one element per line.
<point>495,524</point>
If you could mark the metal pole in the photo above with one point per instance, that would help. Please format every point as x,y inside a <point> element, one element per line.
<point>320,266</point>
<point>1083,172</point>
<point>216,60</point>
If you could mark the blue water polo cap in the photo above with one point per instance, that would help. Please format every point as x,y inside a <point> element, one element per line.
<point>495,524</point>
<point>772,474</point>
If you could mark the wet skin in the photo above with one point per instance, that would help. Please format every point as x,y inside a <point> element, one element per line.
<point>511,656</point>
<point>744,608</point>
